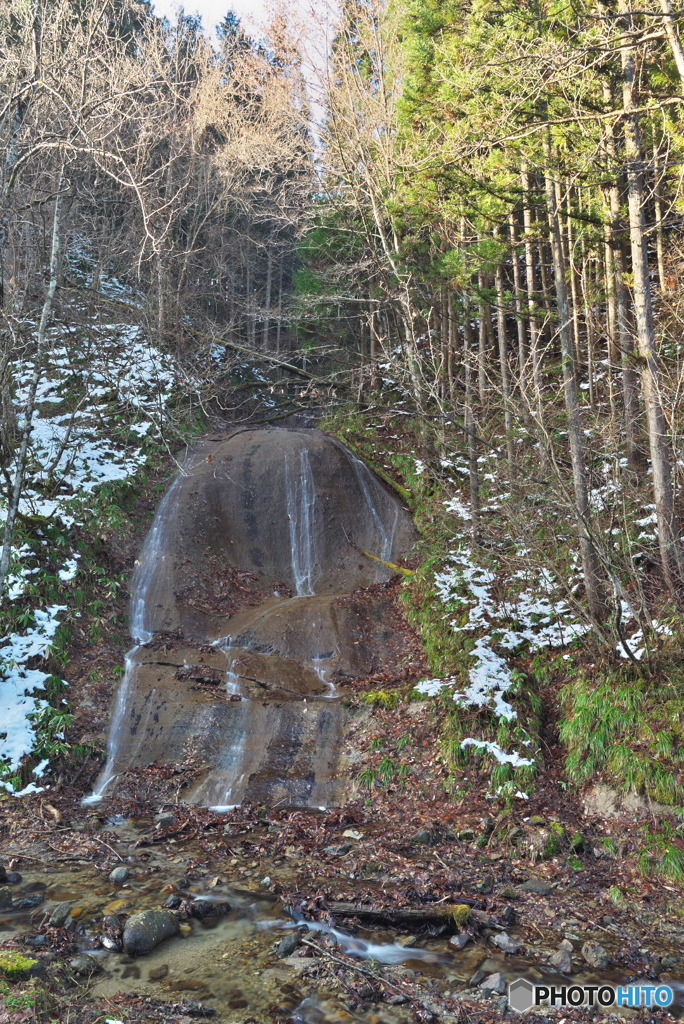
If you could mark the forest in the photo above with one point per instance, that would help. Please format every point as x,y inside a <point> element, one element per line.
<point>341,374</point>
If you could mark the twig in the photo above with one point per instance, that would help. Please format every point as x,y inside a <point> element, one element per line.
<point>368,974</point>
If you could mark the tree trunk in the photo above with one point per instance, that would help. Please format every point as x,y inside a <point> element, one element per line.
<point>519,318</point>
<point>663,491</point>
<point>503,364</point>
<point>469,418</point>
<point>20,470</point>
<point>535,339</point>
<point>590,567</point>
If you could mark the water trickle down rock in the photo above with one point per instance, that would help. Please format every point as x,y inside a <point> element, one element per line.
<point>253,580</point>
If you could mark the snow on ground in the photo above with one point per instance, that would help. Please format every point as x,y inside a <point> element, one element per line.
<point>109,370</point>
<point>18,683</point>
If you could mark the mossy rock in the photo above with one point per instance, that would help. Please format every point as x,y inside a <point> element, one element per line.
<point>577,843</point>
<point>460,914</point>
<point>15,966</point>
<point>552,845</point>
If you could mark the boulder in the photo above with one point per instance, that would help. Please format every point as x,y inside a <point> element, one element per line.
<point>494,984</point>
<point>85,965</point>
<point>59,915</point>
<point>505,943</point>
<point>536,886</point>
<point>562,958</point>
<point>595,955</point>
<point>144,931</point>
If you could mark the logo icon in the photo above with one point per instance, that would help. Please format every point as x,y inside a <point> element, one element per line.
<point>521,995</point>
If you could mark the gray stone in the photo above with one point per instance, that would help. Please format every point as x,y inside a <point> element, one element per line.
<point>502,1004</point>
<point>595,955</point>
<point>506,943</point>
<point>118,875</point>
<point>85,965</point>
<point>494,984</point>
<point>287,946</point>
<point>477,977</point>
<point>5,897</point>
<point>536,886</point>
<point>164,818</point>
<point>562,959</point>
<point>144,931</point>
<point>466,835</point>
<point>59,915</point>
<point>460,940</point>
<point>195,1009</point>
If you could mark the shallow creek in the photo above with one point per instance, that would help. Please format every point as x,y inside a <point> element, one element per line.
<point>230,963</point>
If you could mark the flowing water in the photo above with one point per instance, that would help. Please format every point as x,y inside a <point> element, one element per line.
<point>253,602</point>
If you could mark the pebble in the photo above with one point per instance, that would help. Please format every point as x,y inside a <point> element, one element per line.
<point>266,881</point>
<point>34,899</point>
<point>505,943</point>
<point>158,973</point>
<point>494,984</point>
<point>5,897</point>
<point>460,940</point>
<point>118,875</point>
<point>164,818</point>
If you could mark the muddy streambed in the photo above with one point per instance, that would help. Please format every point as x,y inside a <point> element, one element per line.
<point>236,963</point>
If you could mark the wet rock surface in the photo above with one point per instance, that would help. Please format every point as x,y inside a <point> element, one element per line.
<point>144,931</point>
<point>259,594</point>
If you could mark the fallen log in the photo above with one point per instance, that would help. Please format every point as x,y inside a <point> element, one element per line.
<point>434,913</point>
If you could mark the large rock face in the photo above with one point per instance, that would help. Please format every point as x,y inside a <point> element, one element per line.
<point>252,601</point>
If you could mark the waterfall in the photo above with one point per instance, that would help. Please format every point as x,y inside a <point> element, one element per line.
<point>153,555</point>
<point>301,498</point>
<point>116,729</point>
<point>369,485</point>
<point>150,564</point>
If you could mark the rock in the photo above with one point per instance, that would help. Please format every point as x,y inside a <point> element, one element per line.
<point>34,899</point>
<point>352,833</point>
<point>602,801</point>
<point>466,835</point>
<point>59,915</point>
<point>460,940</point>
<point>13,878</point>
<point>3,874</point>
<point>502,1004</point>
<point>595,955</point>
<point>536,819</point>
<point>562,959</point>
<point>173,902</point>
<point>185,929</point>
<point>505,943</point>
<point>116,906</point>
<point>159,973</point>
<point>486,885</point>
<point>265,882</point>
<point>536,886</point>
<point>5,898</point>
<point>477,977</point>
<point>195,1009</point>
<point>118,875</point>
<point>36,941</point>
<point>287,946</point>
<point>494,984</point>
<point>35,887</point>
<point>144,931</point>
<point>85,965</point>
<point>209,908</point>
<point>164,818</point>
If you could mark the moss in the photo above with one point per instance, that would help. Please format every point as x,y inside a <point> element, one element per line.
<point>14,966</point>
<point>381,698</point>
<point>552,845</point>
<point>460,914</point>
